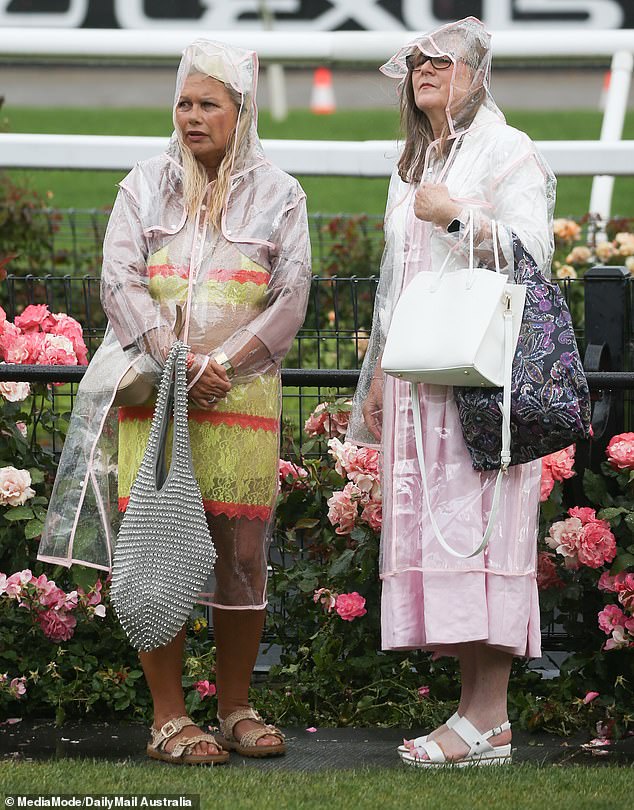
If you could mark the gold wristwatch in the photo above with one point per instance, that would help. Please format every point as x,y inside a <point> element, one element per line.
<point>224,361</point>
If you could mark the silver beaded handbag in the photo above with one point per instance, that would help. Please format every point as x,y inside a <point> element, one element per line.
<point>164,553</point>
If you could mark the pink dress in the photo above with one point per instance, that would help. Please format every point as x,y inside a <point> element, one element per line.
<point>431,600</point>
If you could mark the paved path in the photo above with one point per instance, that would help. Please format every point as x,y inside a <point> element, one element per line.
<point>326,748</point>
<point>96,86</point>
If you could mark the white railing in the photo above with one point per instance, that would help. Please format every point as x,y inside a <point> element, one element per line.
<point>337,158</point>
<point>602,159</point>
<point>344,47</point>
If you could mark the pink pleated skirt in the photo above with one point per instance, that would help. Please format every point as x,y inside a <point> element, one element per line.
<point>430,599</point>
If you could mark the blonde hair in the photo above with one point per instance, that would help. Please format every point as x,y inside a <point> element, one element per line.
<point>195,179</point>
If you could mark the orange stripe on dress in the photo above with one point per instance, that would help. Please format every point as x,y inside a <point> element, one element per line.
<point>241,276</point>
<point>244,420</point>
<point>259,277</point>
<point>232,510</point>
<point>166,270</point>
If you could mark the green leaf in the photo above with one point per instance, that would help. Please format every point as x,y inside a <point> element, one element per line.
<point>612,511</point>
<point>629,522</point>
<point>621,563</point>
<point>84,577</point>
<point>19,513</point>
<point>37,476</point>
<point>33,529</point>
<point>594,488</point>
<point>342,563</point>
<point>307,523</point>
<point>39,512</point>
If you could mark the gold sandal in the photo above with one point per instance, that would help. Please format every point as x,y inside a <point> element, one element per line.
<point>247,745</point>
<point>178,755</point>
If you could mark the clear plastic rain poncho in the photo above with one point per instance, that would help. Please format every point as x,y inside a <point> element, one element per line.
<point>241,287</point>
<point>432,600</point>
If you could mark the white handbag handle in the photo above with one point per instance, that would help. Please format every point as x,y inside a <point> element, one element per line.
<point>468,230</point>
<point>505,456</point>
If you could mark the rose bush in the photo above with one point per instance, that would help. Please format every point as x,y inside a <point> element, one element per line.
<point>325,619</point>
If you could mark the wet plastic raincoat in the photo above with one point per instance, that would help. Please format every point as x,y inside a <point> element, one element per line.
<point>243,289</point>
<point>432,600</point>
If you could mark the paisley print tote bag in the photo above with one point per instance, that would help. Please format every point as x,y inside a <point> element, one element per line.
<point>550,399</point>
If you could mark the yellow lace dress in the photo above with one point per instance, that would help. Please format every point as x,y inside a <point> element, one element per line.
<point>235,446</point>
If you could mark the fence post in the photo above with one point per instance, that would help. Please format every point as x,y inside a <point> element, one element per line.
<point>607,311</point>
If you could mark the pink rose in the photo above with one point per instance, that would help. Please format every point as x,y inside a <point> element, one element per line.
<point>15,486</point>
<point>620,451</point>
<point>58,625</point>
<point>606,582</point>
<point>10,333</point>
<point>93,597</point>
<point>287,468</point>
<point>34,317</point>
<point>57,350</point>
<point>100,610</point>
<point>3,318</point>
<point>547,574</point>
<point>373,515</point>
<point>625,589</point>
<point>547,483</point>
<point>17,687</point>
<point>15,391</point>
<point>564,536</point>
<point>63,324</point>
<point>561,463</point>
<point>590,696</point>
<point>618,640</point>
<point>21,426</point>
<point>12,586</point>
<point>327,598</point>
<point>345,455</point>
<point>596,545</point>
<point>205,689</point>
<point>610,617</point>
<point>584,513</point>
<point>343,510</point>
<point>321,422</point>
<point>423,692</point>
<point>48,594</point>
<point>350,606</point>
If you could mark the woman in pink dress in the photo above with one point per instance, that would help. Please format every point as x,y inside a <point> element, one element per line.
<point>460,163</point>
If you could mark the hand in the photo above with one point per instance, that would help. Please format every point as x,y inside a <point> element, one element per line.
<point>373,408</point>
<point>211,386</point>
<point>433,204</point>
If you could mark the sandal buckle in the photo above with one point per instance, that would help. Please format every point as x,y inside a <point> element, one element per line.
<point>169,729</point>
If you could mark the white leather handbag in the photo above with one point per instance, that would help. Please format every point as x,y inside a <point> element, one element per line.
<point>457,327</point>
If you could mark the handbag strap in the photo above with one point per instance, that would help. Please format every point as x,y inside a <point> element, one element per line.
<point>171,398</point>
<point>468,230</point>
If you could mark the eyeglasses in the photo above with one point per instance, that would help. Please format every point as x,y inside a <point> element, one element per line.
<point>415,61</point>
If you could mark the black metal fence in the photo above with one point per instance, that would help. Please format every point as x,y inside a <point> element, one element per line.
<point>69,241</point>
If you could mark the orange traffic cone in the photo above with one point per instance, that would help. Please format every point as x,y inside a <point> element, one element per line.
<point>322,97</point>
<point>605,89</point>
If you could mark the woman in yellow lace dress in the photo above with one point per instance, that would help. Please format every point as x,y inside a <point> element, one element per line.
<point>210,234</point>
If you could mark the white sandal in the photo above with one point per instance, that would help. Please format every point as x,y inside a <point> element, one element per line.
<point>407,745</point>
<point>481,752</point>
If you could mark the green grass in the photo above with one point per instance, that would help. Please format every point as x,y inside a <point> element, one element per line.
<point>516,787</point>
<point>325,194</point>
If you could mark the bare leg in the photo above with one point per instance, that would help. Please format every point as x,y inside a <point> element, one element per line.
<point>487,703</point>
<point>465,655</point>
<point>163,670</point>
<point>238,634</point>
